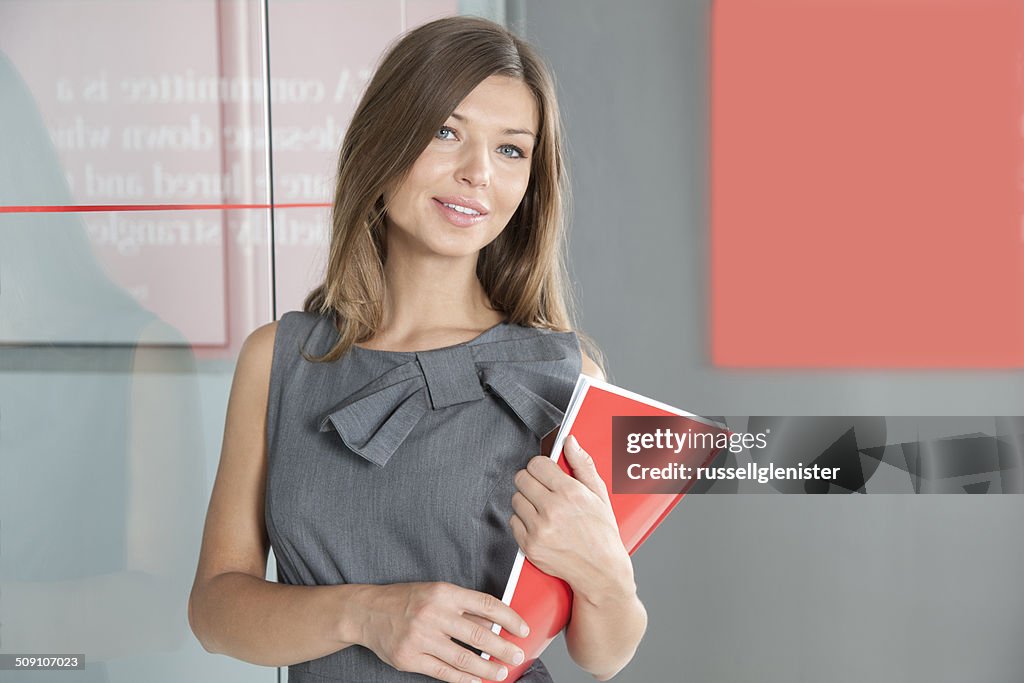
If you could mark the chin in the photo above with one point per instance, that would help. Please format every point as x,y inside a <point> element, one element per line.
<point>461,243</point>
<point>456,251</point>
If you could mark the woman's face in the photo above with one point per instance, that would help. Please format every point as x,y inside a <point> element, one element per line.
<point>464,188</point>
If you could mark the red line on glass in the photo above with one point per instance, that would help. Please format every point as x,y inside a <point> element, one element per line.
<point>85,208</point>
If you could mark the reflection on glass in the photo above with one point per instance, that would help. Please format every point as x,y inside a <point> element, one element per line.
<point>101,465</point>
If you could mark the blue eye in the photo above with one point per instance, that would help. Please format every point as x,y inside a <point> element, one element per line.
<point>512,152</point>
<point>441,131</point>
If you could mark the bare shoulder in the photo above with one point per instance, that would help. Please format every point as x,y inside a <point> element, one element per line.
<point>251,384</point>
<point>258,350</point>
<point>591,368</point>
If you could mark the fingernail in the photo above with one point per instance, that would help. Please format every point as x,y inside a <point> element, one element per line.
<point>517,658</point>
<point>475,680</point>
<point>572,442</point>
<point>524,631</point>
<point>502,673</point>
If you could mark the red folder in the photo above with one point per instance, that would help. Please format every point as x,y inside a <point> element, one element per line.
<point>544,601</point>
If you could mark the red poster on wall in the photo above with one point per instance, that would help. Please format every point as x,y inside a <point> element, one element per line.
<point>866,184</point>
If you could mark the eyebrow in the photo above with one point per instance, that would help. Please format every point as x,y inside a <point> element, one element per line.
<point>507,131</point>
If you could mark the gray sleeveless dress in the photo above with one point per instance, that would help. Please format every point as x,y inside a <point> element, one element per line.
<point>390,467</point>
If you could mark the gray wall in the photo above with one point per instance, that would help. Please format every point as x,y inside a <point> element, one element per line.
<point>758,588</point>
<point>633,85</point>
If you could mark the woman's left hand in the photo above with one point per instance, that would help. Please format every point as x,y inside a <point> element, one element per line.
<point>565,525</point>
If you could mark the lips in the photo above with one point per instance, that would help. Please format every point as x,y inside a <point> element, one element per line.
<point>464,202</point>
<point>460,211</point>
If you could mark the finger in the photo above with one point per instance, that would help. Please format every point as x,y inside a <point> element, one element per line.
<point>468,662</point>
<point>443,671</point>
<point>490,607</point>
<point>519,532</point>
<point>584,468</point>
<point>525,510</point>
<point>547,472</point>
<point>476,632</point>
<point>487,623</point>
<point>530,487</point>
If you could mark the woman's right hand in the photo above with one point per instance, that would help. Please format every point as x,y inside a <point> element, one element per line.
<point>411,625</point>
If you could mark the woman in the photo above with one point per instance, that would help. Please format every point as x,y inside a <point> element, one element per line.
<point>384,440</point>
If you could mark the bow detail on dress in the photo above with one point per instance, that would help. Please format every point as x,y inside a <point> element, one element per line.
<point>376,419</point>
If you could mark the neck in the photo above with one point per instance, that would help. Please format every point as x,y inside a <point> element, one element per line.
<point>430,294</point>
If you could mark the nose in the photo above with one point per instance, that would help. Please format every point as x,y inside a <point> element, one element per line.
<point>474,166</point>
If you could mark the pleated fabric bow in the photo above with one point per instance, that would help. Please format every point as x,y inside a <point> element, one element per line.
<point>376,419</point>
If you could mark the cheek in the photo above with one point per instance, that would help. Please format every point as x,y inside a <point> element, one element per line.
<point>394,195</point>
<point>515,190</point>
<point>420,179</point>
<point>428,169</point>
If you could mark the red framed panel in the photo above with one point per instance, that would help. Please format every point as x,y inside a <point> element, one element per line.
<point>866,177</point>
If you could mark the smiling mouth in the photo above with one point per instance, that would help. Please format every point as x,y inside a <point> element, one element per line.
<point>462,209</point>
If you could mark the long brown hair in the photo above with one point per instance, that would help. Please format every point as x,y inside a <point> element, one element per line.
<point>417,86</point>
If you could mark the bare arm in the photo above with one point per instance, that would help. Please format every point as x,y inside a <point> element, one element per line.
<point>607,623</point>
<point>267,623</point>
<point>233,610</point>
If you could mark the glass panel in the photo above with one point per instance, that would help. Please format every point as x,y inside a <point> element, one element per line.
<point>126,288</point>
<point>110,426</point>
<point>301,240</point>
